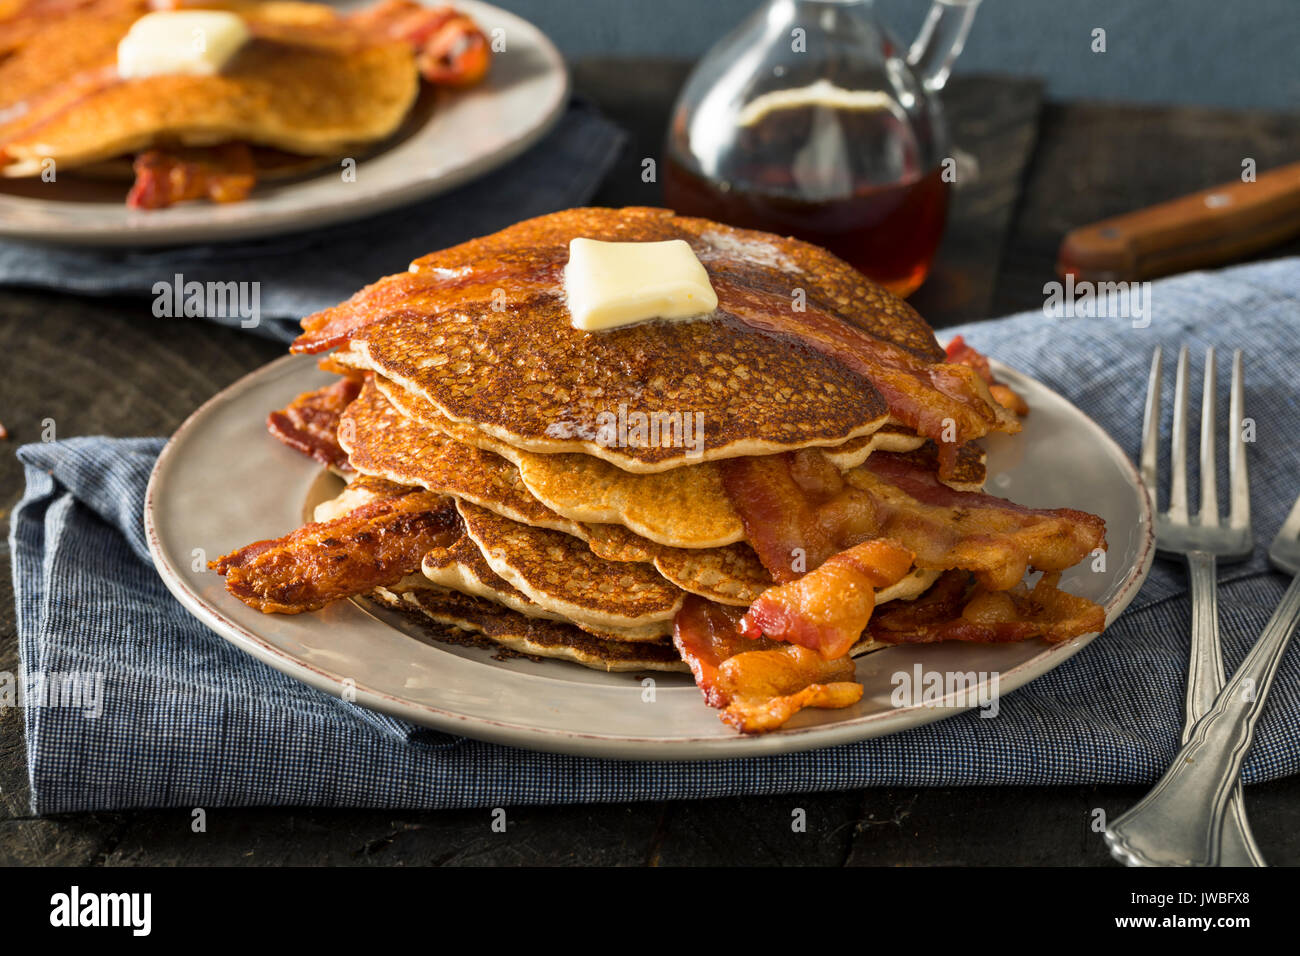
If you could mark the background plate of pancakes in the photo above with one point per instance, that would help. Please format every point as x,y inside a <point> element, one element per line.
<point>222,481</point>
<point>448,138</point>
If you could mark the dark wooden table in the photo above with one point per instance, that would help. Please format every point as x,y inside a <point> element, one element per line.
<point>106,366</point>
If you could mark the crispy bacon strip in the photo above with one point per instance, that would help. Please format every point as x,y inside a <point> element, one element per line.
<point>827,609</point>
<point>757,684</point>
<point>780,517</point>
<point>767,688</point>
<point>376,545</point>
<point>310,423</point>
<point>996,539</point>
<point>955,609</point>
<point>949,404</point>
<point>450,49</point>
<point>760,684</point>
<point>223,173</point>
<point>789,502</point>
<point>960,353</point>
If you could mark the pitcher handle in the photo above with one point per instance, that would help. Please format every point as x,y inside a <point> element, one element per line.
<point>940,41</point>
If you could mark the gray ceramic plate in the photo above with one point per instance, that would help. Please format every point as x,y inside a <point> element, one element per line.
<point>223,482</point>
<point>459,136</point>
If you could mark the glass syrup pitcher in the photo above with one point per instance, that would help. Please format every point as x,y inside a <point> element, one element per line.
<point>807,120</point>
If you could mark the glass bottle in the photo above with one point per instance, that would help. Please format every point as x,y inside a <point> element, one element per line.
<point>808,120</point>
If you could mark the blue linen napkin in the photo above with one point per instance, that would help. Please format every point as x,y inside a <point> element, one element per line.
<point>188,720</point>
<point>300,273</point>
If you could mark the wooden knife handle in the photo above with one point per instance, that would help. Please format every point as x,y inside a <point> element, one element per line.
<point>1206,228</point>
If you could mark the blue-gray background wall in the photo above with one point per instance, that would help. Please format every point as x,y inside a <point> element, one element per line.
<point>1234,53</point>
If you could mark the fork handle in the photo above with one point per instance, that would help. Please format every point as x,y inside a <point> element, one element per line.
<point>1180,821</point>
<point>1204,681</point>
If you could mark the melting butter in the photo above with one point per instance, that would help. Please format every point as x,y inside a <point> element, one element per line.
<point>612,284</point>
<point>185,42</point>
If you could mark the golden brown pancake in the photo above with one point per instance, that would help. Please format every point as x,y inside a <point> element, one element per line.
<point>560,573</point>
<point>381,441</point>
<point>890,437</point>
<point>535,637</point>
<point>361,490</point>
<point>481,331</point>
<point>682,508</point>
<point>531,636</point>
<point>685,507</point>
<point>317,88</point>
<point>461,567</point>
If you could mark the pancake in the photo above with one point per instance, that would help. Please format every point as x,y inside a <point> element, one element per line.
<point>685,507</point>
<point>535,637</point>
<point>560,573</point>
<point>530,636</point>
<point>481,331</point>
<point>890,437</point>
<point>305,84</point>
<point>363,489</point>
<point>682,508</point>
<point>382,442</point>
<point>461,567</point>
<point>514,404</point>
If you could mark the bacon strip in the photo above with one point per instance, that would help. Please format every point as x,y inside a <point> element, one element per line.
<point>376,545</point>
<point>949,404</point>
<point>757,684</point>
<point>960,353</point>
<point>450,48</point>
<point>996,539</point>
<point>827,609</point>
<point>954,610</point>
<point>780,517</point>
<point>767,688</point>
<point>222,174</point>
<point>787,503</point>
<point>310,423</point>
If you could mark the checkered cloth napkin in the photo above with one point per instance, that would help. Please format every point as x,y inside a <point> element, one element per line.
<point>303,272</point>
<point>187,720</point>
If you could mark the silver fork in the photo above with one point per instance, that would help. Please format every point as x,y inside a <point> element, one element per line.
<point>1140,837</point>
<point>1196,791</point>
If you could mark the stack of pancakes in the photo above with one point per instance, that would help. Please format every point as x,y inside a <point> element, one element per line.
<point>572,539</point>
<point>304,85</point>
<point>309,87</point>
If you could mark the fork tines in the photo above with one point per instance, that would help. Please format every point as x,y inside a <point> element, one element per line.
<point>1178,513</point>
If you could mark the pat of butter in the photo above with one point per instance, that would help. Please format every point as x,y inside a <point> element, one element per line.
<point>186,42</point>
<point>611,284</point>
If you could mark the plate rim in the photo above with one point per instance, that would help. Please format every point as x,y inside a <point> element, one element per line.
<point>270,223</point>
<point>621,746</point>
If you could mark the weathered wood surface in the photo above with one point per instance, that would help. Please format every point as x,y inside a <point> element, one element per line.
<point>108,367</point>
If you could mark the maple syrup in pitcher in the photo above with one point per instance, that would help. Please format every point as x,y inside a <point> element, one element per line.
<point>807,121</point>
<point>888,232</point>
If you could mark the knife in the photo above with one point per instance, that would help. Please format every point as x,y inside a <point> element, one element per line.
<point>1206,228</point>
